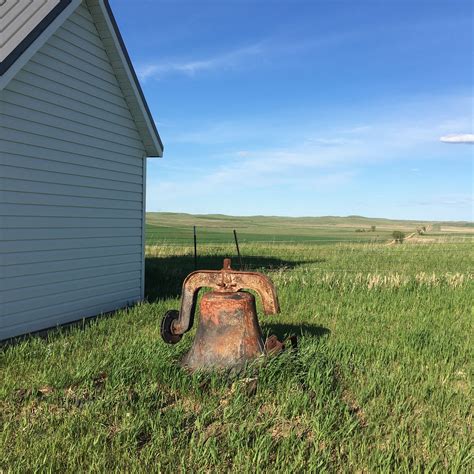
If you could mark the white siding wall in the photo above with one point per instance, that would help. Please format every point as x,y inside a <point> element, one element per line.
<point>71,187</point>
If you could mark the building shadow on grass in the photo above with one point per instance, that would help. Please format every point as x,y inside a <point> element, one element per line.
<point>164,275</point>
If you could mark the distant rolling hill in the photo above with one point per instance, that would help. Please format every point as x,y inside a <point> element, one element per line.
<point>217,228</point>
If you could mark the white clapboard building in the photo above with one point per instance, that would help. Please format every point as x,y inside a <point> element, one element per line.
<point>75,133</point>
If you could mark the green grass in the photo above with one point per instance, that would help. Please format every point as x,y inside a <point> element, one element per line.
<point>382,380</point>
<point>167,228</point>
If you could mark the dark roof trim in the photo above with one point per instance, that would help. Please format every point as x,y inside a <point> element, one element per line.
<point>132,70</point>
<point>32,36</point>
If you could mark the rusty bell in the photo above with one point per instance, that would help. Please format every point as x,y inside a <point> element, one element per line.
<point>228,334</point>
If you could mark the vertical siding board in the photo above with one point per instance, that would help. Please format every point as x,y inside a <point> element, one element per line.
<point>72,187</point>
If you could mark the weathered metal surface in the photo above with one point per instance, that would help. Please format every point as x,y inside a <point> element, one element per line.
<point>225,280</point>
<point>166,323</point>
<point>273,346</point>
<point>228,334</point>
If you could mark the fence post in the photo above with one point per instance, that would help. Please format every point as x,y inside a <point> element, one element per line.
<point>238,250</point>
<point>195,248</point>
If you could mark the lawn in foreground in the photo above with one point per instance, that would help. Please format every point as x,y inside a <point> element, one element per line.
<point>381,381</point>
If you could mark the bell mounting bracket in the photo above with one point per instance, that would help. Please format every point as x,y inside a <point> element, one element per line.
<point>227,280</point>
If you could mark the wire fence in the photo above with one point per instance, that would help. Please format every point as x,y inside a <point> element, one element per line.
<point>194,237</point>
<point>185,242</point>
<point>325,255</point>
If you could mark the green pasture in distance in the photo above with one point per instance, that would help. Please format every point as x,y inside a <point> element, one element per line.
<point>175,228</point>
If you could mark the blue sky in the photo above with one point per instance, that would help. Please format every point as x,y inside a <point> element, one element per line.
<point>323,107</point>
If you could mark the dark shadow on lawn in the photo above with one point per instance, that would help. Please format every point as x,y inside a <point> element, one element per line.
<point>283,330</point>
<point>163,279</point>
<point>164,275</point>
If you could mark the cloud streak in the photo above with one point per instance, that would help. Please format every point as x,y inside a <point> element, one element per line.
<point>458,138</point>
<point>229,60</point>
<point>238,57</point>
<point>295,162</point>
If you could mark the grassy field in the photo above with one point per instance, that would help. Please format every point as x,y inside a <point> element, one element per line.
<point>167,228</point>
<point>381,381</point>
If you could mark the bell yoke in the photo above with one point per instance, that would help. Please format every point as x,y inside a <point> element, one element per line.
<point>228,334</point>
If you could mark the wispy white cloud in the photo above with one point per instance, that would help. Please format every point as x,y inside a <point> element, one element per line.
<point>450,200</point>
<point>333,141</point>
<point>290,154</point>
<point>228,60</point>
<point>458,138</point>
<point>278,45</point>
<point>284,152</point>
<point>269,48</point>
